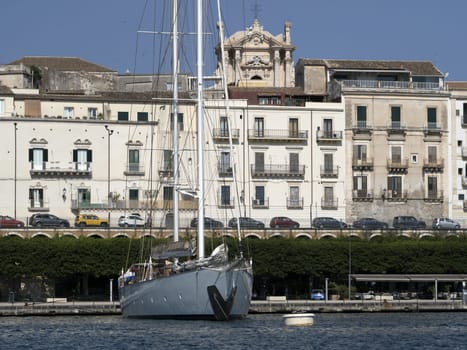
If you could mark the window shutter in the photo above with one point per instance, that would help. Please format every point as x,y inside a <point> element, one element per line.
<point>89,156</point>
<point>75,155</point>
<point>46,155</point>
<point>31,154</point>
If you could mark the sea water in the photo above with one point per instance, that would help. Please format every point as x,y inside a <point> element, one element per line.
<point>330,331</point>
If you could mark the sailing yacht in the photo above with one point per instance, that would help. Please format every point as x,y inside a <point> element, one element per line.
<point>177,280</point>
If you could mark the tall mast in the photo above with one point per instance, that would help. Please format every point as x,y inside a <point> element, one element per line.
<point>199,54</point>
<point>175,116</point>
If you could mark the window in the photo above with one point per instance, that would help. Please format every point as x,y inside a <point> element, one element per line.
<point>259,162</point>
<point>432,182</point>
<point>431,118</point>
<point>432,154</point>
<point>224,127</point>
<point>84,197</point>
<point>327,128</point>
<point>92,113</point>
<point>395,117</point>
<point>259,127</point>
<point>36,198</point>
<point>464,113</point>
<point>225,195</point>
<point>142,116</point>
<point>259,195</point>
<point>225,162</point>
<point>360,186</point>
<point>38,157</point>
<point>179,121</point>
<point>294,192</point>
<point>414,158</point>
<point>133,160</point>
<point>459,171</point>
<point>293,165</point>
<point>360,152</point>
<point>329,196</point>
<point>68,112</point>
<point>461,196</point>
<point>168,193</point>
<point>328,163</point>
<point>293,127</point>
<point>133,195</point>
<point>82,158</point>
<point>395,186</point>
<point>122,116</point>
<point>167,161</point>
<point>396,154</point>
<point>2,107</point>
<point>361,117</point>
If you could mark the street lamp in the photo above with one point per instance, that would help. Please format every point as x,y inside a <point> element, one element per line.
<point>109,133</point>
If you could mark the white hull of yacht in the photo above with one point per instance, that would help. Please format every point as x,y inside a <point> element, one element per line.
<point>220,293</point>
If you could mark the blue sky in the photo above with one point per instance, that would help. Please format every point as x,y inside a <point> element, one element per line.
<point>105,31</point>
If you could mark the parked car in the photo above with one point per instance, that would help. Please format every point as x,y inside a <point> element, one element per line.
<point>283,222</point>
<point>445,223</point>
<point>409,222</point>
<point>132,220</point>
<point>208,223</point>
<point>47,220</point>
<point>328,222</point>
<point>84,220</point>
<point>8,221</point>
<point>317,294</point>
<point>246,222</point>
<point>369,224</point>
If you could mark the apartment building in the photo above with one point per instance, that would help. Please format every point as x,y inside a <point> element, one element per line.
<point>396,133</point>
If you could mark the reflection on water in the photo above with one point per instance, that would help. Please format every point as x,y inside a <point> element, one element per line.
<point>330,331</point>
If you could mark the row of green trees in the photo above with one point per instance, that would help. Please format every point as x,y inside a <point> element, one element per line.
<point>84,266</point>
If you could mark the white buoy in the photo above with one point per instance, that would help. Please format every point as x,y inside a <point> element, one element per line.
<point>306,319</point>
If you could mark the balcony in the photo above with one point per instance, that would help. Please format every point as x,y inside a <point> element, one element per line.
<point>362,131</point>
<point>260,203</point>
<point>396,196</point>
<point>396,131</point>
<point>226,202</point>
<point>433,165</point>
<point>166,173</point>
<point>398,166</point>
<point>270,135</point>
<point>362,164</point>
<point>387,85</point>
<point>222,135</point>
<point>56,170</point>
<point>277,171</point>
<point>134,169</point>
<point>188,204</point>
<point>329,172</point>
<point>329,203</point>
<point>328,137</point>
<point>434,197</point>
<point>294,203</point>
<point>362,196</point>
<point>38,205</point>
<point>432,130</point>
<point>224,170</point>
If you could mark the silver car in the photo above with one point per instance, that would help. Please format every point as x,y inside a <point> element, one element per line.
<point>445,223</point>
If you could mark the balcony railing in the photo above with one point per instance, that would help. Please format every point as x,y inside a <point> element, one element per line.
<point>226,202</point>
<point>434,196</point>
<point>277,135</point>
<point>260,203</point>
<point>134,204</point>
<point>464,181</point>
<point>223,134</point>
<point>166,171</point>
<point>396,196</point>
<point>224,170</point>
<point>294,203</point>
<point>328,136</point>
<point>38,205</point>
<point>275,170</point>
<point>134,169</point>
<point>362,163</point>
<point>433,129</point>
<point>329,203</point>
<point>383,84</point>
<point>329,171</point>
<point>433,165</point>
<point>362,195</point>
<point>55,169</point>
<point>397,165</point>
